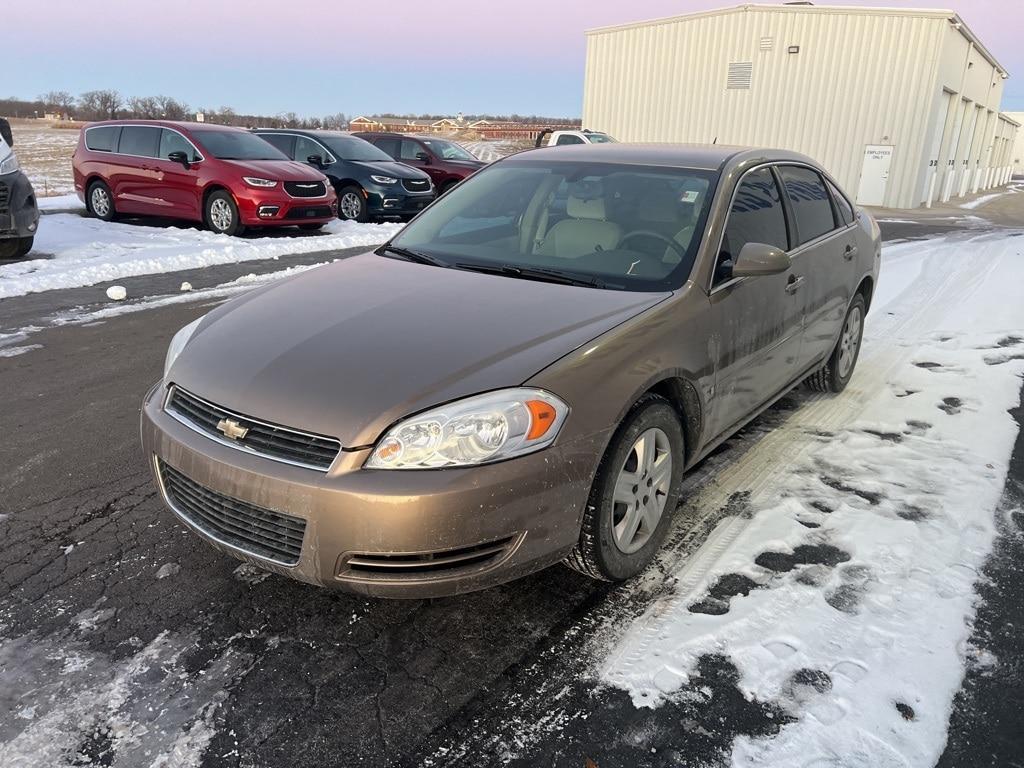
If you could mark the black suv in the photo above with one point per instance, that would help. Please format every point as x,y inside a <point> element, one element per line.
<point>19,215</point>
<point>370,185</point>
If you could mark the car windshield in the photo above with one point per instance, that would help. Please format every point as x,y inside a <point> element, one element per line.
<point>354,148</point>
<point>236,145</point>
<point>448,150</point>
<point>601,138</point>
<point>625,227</point>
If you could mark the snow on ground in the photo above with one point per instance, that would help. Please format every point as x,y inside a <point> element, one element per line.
<point>845,593</point>
<point>87,251</point>
<point>60,203</point>
<point>44,153</point>
<point>492,150</point>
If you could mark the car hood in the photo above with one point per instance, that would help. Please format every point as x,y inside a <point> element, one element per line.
<point>390,168</point>
<point>279,170</point>
<point>347,349</point>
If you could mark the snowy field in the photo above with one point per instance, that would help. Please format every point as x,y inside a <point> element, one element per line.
<point>44,154</point>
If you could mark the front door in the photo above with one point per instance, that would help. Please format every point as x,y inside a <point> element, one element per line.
<point>758,321</point>
<point>176,188</point>
<point>874,174</point>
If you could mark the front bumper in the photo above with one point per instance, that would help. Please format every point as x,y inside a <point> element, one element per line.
<point>396,202</point>
<point>389,533</point>
<point>274,207</point>
<point>19,214</point>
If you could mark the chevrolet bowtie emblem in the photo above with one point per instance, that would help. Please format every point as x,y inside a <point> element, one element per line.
<point>232,429</point>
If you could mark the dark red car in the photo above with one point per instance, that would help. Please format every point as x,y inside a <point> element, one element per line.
<point>225,177</point>
<point>446,162</point>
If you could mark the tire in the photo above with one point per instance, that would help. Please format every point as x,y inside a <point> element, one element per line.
<point>25,246</point>
<point>311,227</point>
<point>837,371</point>
<point>100,201</point>
<point>221,214</point>
<point>605,550</point>
<point>9,249</point>
<point>352,204</point>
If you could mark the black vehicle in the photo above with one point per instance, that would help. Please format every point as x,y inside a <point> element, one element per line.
<point>19,215</point>
<point>370,185</point>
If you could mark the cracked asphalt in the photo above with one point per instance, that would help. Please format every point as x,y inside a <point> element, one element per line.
<point>250,669</point>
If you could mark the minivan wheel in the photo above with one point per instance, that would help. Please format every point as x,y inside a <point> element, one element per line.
<point>635,492</point>
<point>100,201</point>
<point>24,246</point>
<point>222,214</point>
<point>352,204</point>
<point>836,373</point>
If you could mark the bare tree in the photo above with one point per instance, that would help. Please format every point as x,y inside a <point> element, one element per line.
<point>100,105</point>
<point>172,109</point>
<point>61,102</point>
<point>144,107</point>
<point>337,122</point>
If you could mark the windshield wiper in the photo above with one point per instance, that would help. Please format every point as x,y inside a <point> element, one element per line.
<point>414,256</point>
<point>541,274</point>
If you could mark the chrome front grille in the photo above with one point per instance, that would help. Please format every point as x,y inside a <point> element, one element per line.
<point>305,188</point>
<point>254,530</point>
<point>271,441</point>
<point>416,185</point>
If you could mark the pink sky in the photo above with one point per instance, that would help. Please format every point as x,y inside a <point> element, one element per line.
<point>319,56</point>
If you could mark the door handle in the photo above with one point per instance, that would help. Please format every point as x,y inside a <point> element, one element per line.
<point>794,283</point>
<point>850,252</point>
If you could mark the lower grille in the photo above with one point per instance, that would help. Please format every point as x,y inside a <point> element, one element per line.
<point>305,188</point>
<point>257,531</point>
<point>428,563</point>
<point>5,197</point>
<point>310,212</point>
<point>268,440</point>
<point>416,185</point>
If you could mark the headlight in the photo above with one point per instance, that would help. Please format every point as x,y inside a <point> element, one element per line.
<point>385,179</point>
<point>255,181</point>
<point>9,165</point>
<point>479,429</point>
<point>178,343</point>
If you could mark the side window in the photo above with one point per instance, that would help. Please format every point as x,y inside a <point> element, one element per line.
<point>810,201</point>
<point>103,139</point>
<point>305,147</point>
<point>172,141</point>
<point>843,206</point>
<point>281,141</point>
<point>568,138</point>
<point>388,146</point>
<point>756,216</point>
<point>141,140</point>
<point>410,149</point>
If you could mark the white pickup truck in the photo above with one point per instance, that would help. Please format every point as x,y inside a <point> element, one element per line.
<point>19,215</point>
<point>549,137</point>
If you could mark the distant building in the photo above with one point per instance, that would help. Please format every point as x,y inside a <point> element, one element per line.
<point>486,128</point>
<point>1017,153</point>
<point>900,105</point>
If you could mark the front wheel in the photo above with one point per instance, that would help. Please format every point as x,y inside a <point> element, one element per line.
<point>837,371</point>
<point>352,204</point>
<point>636,490</point>
<point>221,214</point>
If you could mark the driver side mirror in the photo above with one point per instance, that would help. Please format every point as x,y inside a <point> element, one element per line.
<point>423,157</point>
<point>178,157</point>
<point>758,259</point>
<point>316,160</point>
<point>6,133</point>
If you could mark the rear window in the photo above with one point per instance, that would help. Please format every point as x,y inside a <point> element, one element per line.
<point>103,138</point>
<point>810,201</point>
<point>842,205</point>
<point>141,140</point>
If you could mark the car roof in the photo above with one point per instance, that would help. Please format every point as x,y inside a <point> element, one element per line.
<point>308,132</point>
<point>178,124</point>
<point>709,157</point>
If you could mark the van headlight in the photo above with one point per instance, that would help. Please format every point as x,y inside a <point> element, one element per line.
<point>178,343</point>
<point>476,430</point>
<point>9,165</point>
<point>256,181</point>
<point>384,179</point>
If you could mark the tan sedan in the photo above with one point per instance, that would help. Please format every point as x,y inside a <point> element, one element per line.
<point>521,377</point>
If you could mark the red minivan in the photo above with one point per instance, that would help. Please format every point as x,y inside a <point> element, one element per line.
<point>225,177</point>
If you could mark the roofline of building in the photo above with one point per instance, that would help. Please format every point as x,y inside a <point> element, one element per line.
<point>935,13</point>
<point>1006,116</point>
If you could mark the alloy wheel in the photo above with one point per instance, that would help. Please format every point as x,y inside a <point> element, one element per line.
<point>100,201</point>
<point>221,214</point>
<point>849,342</point>
<point>641,490</point>
<point>351,206</point>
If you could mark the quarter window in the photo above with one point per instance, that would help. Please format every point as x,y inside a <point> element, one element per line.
<point>756,216</point>
<point>810,201</point>
<point>568,138</point>
<point>172,141</point>
<point>103,139</point>
<point>141,140</point>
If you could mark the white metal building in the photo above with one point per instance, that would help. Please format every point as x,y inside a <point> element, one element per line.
<point>900,105</point>
<point>1017,151</point>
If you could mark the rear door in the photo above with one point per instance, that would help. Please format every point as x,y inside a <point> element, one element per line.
<point>758,321</point>
<point>823,248</point>
<point>134,181</point>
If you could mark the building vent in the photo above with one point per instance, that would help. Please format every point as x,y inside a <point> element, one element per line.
<point>767,43</point>
<point>740,73</point>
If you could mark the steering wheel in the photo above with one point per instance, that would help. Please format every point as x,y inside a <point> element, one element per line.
<point>657,236</point>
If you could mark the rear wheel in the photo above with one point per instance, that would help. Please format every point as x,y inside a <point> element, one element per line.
<point>352,204</point>
<point>100,201</point>
<point>635,492</point>
<point>836,373</point>
<point>221,214</point>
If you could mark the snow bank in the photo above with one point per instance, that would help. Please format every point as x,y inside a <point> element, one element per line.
<point>88,251</point>
<point>860,548</point>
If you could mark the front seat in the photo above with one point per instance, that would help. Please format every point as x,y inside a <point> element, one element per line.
<point>584,232</point>
<point>660,210</point>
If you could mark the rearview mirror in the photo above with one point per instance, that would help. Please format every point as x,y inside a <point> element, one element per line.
<point>423,156</point>
<point>758,259</point>
<point>178,157</point>
<point>5,132</point>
